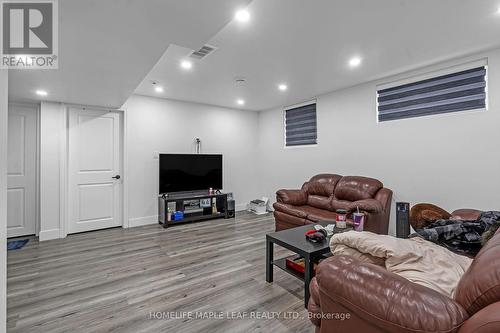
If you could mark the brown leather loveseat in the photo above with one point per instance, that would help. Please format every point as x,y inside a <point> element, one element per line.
<point>323,194</point>
<point>380,301</point>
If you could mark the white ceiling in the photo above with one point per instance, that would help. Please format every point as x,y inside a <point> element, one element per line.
<point>307,44</point>
<point>107,47</point>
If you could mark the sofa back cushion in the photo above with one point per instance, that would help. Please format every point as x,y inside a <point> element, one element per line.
<point>319,201</point>
<point>354,188</point>
<point>322,184</point>
<point>480,285</point>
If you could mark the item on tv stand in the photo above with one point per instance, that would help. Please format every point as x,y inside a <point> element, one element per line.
<point>214,206</point>
<point>162,210</point>
<point>341,219</point>
<point>231,208</point>
<point>402,219</point>
<point>178,216</point>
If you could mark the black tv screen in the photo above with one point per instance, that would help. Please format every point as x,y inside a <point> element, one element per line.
<point>190,172</point>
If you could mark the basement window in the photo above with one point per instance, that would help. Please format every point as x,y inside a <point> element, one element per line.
<point>460,90</point>
<point>300,125</point>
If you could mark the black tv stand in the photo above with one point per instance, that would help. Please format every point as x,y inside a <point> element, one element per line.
<point>190,204</point>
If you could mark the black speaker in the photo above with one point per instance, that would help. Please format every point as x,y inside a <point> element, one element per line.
<point>231,208</point>
<point>402,219</point>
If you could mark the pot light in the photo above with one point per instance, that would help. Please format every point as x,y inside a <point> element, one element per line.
<point>41,93</point>
<point>498,11</point>
<point>240,102</point>
<point>186,64</point>
<point>159,89</point>
<point>282,87</point>
<point>242,16</point>
<point>355,62</point>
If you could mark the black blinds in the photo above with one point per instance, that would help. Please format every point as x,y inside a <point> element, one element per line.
<point>465,90</point>
<point>300,126</point>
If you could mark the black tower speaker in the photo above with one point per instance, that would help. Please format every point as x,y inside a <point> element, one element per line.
<point>231,208</point>
<point>402,219</point>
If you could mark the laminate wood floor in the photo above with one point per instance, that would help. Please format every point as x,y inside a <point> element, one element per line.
<point>123,280</point>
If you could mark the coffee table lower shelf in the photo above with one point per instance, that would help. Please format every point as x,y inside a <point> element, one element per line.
<point>281,263</point>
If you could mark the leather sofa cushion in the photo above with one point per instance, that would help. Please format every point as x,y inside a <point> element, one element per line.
<point>285,221</point>
<point>322,184</point>
<point>480,285</point>
<point>319,188</point>
<point>319,201</point>
<point>290,209</point>
<point>316,214</point>
<point>339,204</point>
<point>354,188</point>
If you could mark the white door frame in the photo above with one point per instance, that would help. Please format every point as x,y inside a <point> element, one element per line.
<point>36,107</point>
<point>64,163</point>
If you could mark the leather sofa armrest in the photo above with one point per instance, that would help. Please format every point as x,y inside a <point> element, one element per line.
<point>292,197</point>
<point>367,205</point>
<point>487,320</point>
<point>384,196</point>
<point>383,299</point>
<point>313,306</point>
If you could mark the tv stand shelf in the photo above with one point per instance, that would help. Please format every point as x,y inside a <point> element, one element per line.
<point>191,205</point>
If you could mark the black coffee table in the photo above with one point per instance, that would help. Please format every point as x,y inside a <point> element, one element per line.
<point>295,241</point>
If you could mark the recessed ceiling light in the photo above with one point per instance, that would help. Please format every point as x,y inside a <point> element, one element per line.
<point>242,16</point>
<point>282,87</point>
<point>498,11</point>
<point>355,62</point>
<point>41,93</point>
<point>186,64</point>
<point>159,89</point>
<point>240,102</point>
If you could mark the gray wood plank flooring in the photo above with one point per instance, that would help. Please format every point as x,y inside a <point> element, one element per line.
<point>113,280</point>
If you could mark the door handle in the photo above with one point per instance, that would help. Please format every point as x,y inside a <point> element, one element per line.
<point>116,177</point>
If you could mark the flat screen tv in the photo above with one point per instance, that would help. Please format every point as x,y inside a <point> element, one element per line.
<point>190,172</point>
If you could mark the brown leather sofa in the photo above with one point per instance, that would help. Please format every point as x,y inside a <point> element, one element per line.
<point>380,301</point>
<point>323,194</point>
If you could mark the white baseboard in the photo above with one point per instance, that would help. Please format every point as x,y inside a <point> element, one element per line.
<point>240,207</point>
<point>45,235</point>
<point>138,221</point>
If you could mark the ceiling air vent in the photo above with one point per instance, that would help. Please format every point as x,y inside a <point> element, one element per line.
<point>203,52</point>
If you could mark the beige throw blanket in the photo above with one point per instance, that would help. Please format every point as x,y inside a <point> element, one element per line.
<point>415,259</point>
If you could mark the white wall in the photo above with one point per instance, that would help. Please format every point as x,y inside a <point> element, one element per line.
<point>448,159</point>
<point>164,126</point>
<point>3,197</point>
<point>52,139</point>
<point>451,160</point>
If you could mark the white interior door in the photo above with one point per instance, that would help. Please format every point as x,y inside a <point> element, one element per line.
<point>21,189</point>
<point>95,157</point>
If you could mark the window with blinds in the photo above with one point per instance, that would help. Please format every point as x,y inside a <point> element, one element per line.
<point>300,126</point>
<point>461,91</point>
